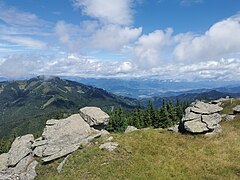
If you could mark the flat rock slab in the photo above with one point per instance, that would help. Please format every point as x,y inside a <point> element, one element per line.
<point>212,120</point>
<point>195,126</point>
<point>64,133</point>
<point>20,148</point>
<point>190,115</point>
<point>61,153</point>
<point>205,108</point>
<point>110,146</point>
<point>94,116</point>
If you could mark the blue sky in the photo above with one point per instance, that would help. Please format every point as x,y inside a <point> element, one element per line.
<point>165,39</point>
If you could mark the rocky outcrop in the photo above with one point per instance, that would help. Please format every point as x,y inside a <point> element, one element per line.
<point>220,101</point>
<point>62,137</point>
<point>20,148</point>
<point>236,110</point>
<point>59,139</point>
<point>95,117</point>
<point>17,163</point>
<point>201,117</point>
<point>131,129</point>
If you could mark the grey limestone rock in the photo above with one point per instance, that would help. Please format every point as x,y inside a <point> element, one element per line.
<point>94,116</point>
<point>236,110</point>
<point>131,129</point>
<point>110,146</point>
<point>30,173</point>
<point>205,108</point>
<point>195,126</point>
<point>3,161</point>
<point>20,148</point>
<point>60,166</point>
<point>65,151</point>
<point>201,117</point>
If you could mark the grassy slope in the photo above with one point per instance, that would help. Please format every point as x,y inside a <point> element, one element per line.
<point>157,154</point>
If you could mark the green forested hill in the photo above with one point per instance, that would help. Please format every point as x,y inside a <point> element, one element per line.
<point>26,105</point>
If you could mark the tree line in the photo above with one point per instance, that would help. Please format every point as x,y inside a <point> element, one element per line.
<point>167,115</point>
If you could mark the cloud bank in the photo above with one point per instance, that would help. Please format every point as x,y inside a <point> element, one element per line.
<point>76,49</point>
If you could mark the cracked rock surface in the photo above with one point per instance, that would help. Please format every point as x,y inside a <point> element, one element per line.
<point>201,117</point>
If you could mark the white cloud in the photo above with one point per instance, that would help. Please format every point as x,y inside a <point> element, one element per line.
<point>25,41</point>
<point>69,65</point>
<point>125,67</point>
<point>221,40</point>
<point>91,35</point>
<point>149,49</point>
<point>113,37</point>
<point>12,16</point>
<point>114,11</point>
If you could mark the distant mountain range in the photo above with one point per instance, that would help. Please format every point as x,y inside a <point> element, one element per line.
<point>26,105</point>
<point>190,97</point>
<point>141,88</point>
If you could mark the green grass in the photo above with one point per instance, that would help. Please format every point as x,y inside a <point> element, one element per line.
<point>157,154</point>
<point>228,105</point>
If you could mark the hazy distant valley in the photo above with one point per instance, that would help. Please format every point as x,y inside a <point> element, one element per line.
<point>147,88</point>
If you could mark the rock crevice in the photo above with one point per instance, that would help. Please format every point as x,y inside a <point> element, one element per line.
<point>201,117</point>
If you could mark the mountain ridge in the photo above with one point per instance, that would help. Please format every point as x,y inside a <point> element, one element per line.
<point>25,105</point>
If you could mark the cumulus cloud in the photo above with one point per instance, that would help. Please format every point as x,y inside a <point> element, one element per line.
<point>91,35</point>
<point>221,40</point>
<point>113,12</point>
<point>149,49</point>
<point>114,37</point>
<point>160,47</point>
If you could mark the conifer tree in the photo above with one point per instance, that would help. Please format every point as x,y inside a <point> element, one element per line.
<point>149,115</point>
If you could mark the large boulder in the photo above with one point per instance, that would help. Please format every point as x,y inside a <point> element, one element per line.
<point>236,110</point>
<point>205,108</point>
<point>20,148</point>
<point>17,163</point>
<point>201,117</point>
<point>61,137</point>
<point>95,117</point>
